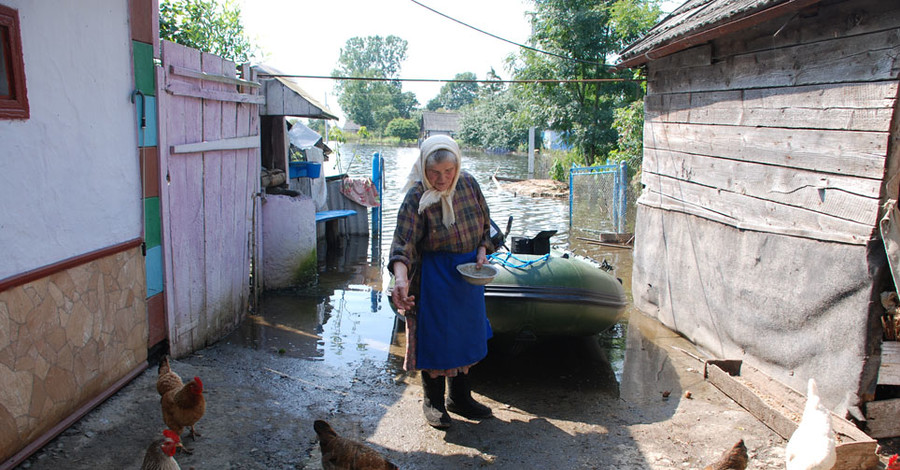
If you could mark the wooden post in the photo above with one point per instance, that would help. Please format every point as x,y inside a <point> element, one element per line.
<point>531,152</point>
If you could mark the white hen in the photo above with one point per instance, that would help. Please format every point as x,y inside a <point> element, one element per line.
<point>811,447</point>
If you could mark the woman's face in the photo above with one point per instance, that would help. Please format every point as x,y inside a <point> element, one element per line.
<point>440,175</point>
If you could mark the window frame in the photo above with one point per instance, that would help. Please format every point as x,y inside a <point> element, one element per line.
<point>15,107</point>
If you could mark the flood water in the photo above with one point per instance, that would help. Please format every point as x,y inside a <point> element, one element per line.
<point>345,319</point>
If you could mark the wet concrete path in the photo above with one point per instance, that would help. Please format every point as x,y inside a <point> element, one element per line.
<point>335,351</point>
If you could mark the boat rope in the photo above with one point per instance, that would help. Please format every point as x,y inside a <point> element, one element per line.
<point>504,260</point>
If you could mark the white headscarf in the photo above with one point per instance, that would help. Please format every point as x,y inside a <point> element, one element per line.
<point>431,195</point>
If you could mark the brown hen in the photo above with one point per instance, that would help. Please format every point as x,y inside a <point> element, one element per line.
<point>159,455</point>
<point>182,404</point>
<point>735,458</point>
<point>340,453</point>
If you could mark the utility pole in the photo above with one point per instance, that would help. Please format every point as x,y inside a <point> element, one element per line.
<point>531,152</point>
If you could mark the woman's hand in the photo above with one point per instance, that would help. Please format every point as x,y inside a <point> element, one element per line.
<point>481,257</point>
<point>400,293</point>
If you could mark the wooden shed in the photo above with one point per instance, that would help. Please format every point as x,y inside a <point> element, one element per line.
<point>439,123</point>
<point>770,155</point>
<point>284,98</point>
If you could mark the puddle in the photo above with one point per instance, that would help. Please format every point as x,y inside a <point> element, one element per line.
<point>346,320</point>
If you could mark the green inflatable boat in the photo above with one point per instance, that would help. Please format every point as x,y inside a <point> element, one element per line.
<point>542,293</point>
<point>554,294</point>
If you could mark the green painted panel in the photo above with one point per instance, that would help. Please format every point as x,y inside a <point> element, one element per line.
<point>151,222</point>
<point>144,75</point>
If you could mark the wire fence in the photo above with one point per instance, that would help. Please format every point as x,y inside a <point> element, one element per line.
<point>598,198</point>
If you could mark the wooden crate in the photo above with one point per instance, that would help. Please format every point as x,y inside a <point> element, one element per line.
<point>780,407</point>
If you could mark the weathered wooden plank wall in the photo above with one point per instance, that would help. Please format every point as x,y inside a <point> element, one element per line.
<point>209,206</point>
<point>803,117</point>
<point>766,156</point>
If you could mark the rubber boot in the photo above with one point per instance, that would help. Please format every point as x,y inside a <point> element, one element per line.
<point>461,401</point>
<point>433,404</point>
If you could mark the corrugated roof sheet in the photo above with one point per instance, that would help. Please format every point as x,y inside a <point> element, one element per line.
<point>692,17</point>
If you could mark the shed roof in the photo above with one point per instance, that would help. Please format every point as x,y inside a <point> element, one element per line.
<point>435,121</point>
<point>284,97</point>
<point>698,21</point>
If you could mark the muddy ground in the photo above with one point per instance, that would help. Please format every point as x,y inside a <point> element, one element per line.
<point>558,405</point>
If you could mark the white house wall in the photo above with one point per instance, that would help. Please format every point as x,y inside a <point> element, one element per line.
<point>70,178</point>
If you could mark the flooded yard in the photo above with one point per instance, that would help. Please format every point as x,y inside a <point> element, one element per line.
<point>334,351</point>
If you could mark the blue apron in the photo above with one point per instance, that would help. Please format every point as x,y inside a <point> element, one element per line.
<point>453,328</point>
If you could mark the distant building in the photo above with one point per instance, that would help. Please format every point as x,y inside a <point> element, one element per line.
<point>435,123</point>
<point>553,140</point>
<point>351,127</point>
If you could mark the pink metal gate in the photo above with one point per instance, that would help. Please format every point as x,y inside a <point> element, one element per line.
<point>209,171</point>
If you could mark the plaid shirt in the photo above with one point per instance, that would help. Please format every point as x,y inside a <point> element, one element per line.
<point>417,233</point>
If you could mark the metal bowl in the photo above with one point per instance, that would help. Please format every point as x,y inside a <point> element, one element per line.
<point>478,277</point>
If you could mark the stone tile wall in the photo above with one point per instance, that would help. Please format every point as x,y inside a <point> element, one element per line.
<point>66,338</point>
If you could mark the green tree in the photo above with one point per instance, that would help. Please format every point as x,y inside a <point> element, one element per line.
<point>405,129</point>
<point>493,121</point>
<point>629,125</point>
<point>373,103</point>
<point>206,25</point>
<point>454,95</point>
<point>582,36</point>
<point>317,125</point>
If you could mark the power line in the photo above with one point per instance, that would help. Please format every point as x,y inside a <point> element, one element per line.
<point>454,80</point>
<point>591,62</point>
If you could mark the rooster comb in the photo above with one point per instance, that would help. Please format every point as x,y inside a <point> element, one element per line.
<point>169,434</point>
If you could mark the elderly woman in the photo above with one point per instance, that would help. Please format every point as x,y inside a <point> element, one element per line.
<point>443,222</point>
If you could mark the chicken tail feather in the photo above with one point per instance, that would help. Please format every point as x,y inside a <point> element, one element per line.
<point>164,366</point>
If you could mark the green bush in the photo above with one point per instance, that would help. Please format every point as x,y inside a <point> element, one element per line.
<point>557,172</point>
<point>404,129</point>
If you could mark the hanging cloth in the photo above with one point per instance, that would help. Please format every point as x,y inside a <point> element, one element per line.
<point>360,190</point>
<point>452,326</point>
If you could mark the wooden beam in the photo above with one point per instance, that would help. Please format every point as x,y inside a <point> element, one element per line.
<point>668,203</point>
<point>864,58</point>
<point>234,143</point>
<point>186,72</point>
<point>184,89</point>
<point>744,211</point>
<point>838,152</point>
<point>866,106</point>
<point>844,197</point>
<point>780,408</point>
<point>743,396</point>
